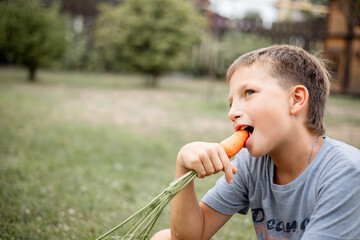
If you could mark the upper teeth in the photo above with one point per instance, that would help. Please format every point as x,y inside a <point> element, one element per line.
<point>243,127</point>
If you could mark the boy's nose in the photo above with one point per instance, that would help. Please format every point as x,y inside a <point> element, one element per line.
<point>235,112</point>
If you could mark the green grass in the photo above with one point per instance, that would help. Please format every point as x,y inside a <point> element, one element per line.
<point>81,152</point>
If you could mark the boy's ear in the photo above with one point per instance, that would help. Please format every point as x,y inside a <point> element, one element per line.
<point>299,96</point>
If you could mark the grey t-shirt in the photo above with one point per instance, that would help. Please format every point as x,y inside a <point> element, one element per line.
<point>322,203</point>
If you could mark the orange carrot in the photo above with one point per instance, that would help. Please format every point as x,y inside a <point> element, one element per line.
<point>234,143</point>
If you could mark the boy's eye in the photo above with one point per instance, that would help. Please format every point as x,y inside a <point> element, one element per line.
<point>249,92</point>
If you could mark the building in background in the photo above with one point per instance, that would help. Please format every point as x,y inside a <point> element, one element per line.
<point>342,45</point>
<point>291,9</point>
<point>341,40</point>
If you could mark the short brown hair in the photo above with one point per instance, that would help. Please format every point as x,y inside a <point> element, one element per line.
<point>292,65</point>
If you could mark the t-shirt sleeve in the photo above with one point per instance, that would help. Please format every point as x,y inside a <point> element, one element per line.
<point>337,209</point>
<point>231,198</point>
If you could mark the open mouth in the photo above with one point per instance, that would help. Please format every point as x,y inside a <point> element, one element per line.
<point>249,129</point>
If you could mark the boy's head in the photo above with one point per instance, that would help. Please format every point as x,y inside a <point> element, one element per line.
<point>293,66</point>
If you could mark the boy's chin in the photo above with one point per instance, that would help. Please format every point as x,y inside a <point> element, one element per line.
<point>255,152</point>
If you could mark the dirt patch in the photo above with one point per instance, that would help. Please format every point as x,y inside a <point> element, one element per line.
<point>155,109</point>
<point>345,133</point>
<point>342,110</point>
<point>140,108</point>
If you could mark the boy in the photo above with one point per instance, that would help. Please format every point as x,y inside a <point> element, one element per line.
<point>298,183</point>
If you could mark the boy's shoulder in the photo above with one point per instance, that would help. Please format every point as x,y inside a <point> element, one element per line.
<point>341,150</point>
<point>337,156</point>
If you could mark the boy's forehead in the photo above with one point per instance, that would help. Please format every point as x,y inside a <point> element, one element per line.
<point>251,76</point>
<point>248,72</point>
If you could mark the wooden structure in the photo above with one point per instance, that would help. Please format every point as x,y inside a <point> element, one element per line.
<point>342,45</point>
<point>286,7</point>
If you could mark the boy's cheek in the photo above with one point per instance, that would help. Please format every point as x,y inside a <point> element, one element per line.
<point>263,139</point>
<point>255,150</point>
<point>254,144</point>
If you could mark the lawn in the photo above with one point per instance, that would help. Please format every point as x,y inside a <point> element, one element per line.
<point>81,152</point>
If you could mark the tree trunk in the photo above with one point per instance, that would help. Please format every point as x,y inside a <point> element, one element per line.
<point>153,80</point>
<point>348,57</point>
<point>32,73</point>
<point>350,12</point>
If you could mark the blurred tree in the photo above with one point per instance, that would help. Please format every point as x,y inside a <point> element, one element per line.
<point>315,17</point>
<point>234,44</point>
<point>79,55</point>
<point>253,16</point>
<point>73,58</point>
<point>321,2</point>
<point>150,36</point>
<point>31,35</point>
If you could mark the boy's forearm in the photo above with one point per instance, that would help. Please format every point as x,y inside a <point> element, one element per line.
<point>186,214</point>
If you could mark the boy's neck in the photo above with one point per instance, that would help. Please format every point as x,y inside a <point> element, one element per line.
<point>294,157</point>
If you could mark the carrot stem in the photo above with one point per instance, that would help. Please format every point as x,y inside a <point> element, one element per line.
<point>153,209</point>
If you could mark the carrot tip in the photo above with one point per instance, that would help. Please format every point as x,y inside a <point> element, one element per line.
<point>234,143</point>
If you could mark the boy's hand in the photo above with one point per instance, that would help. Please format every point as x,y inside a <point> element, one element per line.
<point>206,159</point>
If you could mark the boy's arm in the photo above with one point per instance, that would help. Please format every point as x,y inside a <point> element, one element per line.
<point>189,219</point>
<point>213,220</point>
<point>193,220</point>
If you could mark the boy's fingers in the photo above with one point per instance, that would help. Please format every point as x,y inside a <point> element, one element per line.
<point>198,167</point>
<point>218,166</point>
<point>228,173</point>
<point>201,172</point>
<point>227,167</point>
<point>228,170</point>
<point>234,169</point>
<point>209,168</point>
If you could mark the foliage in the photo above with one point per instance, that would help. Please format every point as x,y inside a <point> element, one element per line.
<point>80,55</point>
<point>234,44</point>
<point>253,16</point>
<point>140,35</point>
<point>31,34</point>
<point>73,56</point>
<point>315,18</point>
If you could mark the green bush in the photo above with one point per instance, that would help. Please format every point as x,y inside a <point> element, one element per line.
<point>80,55</point>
